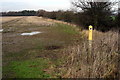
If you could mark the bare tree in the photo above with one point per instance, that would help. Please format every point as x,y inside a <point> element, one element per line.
<point>98,12</point>
<point>40,12</point>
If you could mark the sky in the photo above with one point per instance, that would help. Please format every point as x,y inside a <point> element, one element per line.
<point>49,5</point>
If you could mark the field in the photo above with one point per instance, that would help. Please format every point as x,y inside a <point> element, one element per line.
<point>37,55</point>
<point>60,50</point>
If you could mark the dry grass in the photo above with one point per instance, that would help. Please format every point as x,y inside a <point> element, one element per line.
<point>38,21</point>
<point>102,62</point>
<point>62,22</point>
<point>7,19</point>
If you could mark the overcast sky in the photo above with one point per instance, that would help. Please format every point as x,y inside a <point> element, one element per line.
<point>49,5</point>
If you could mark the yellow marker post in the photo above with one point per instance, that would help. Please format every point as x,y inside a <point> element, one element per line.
<point>90,32</point>
<point>90,55</point>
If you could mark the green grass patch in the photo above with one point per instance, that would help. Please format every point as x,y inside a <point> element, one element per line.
<point>29,68</point>
<point>67,29</point>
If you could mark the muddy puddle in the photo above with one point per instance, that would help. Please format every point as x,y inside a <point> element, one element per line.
<point>1,30</point>
<point>31,33</point>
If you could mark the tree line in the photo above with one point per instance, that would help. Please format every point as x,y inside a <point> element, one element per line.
<point>19,13</point>
<point>103,22</point>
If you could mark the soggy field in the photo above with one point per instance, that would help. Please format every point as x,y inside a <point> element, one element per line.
<point>56,49</point>
<point>35,56</point>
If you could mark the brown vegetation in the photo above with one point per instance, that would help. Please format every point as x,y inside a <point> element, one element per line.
<point>103,62</point>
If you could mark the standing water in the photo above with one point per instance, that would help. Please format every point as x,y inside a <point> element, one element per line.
<point>1,30</point>
<point>31,33</point>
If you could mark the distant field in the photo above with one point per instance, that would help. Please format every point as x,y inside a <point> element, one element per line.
<point>6,19</point>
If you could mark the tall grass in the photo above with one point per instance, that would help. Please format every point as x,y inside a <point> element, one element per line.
<point>102,62</point>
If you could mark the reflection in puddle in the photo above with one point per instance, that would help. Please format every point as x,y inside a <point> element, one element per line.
<point>31,33</point>
<point>1,30</point>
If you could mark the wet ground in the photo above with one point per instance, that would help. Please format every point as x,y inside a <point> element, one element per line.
<point>28,38</point>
